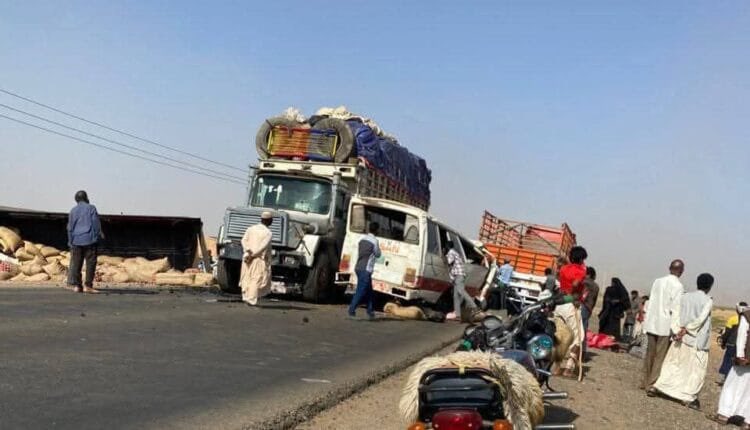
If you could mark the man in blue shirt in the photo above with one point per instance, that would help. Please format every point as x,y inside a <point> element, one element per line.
<point>84,231</point>
<point>368,252</point>
<point>504,274</point>
<point>502,281</point>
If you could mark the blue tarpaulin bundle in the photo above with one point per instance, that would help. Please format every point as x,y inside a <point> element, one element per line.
<point>394,160</point>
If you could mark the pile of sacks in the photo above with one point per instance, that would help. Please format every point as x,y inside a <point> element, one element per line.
<point>33,262</point>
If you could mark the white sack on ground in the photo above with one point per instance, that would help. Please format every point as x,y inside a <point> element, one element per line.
<point>31,268</point>
<point>54,268</point>
<point>174,278</point>
<point>39,277</point>
<point>405,312</point>
<point>203,279</point>
<point>48,251</point>
<point>9,240</point>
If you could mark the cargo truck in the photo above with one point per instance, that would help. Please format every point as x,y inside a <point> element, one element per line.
<point>530,248</point>
<point>303,178</point>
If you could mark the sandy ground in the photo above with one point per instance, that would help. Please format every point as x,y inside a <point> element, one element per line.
<point>608,398</point>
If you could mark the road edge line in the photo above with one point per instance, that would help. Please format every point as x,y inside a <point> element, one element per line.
<point>289,419</point>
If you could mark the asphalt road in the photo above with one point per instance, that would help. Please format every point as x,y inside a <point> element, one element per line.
<point>149,359</point>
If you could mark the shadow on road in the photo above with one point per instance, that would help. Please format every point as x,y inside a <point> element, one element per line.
<point>264,305</point>
<point>124,291</point>
<point>555,414</point>
<point>285,307</point>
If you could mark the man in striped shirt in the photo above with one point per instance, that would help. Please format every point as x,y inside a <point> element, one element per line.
<point>458,278</point>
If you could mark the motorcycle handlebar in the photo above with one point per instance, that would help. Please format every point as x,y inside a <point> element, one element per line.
<point>557,395</point>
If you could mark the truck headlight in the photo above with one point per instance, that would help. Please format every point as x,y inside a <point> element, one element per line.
<point>289,260</point>
<point>540,346</point>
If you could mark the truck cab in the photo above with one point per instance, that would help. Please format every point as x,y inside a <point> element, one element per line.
<point>309,202</point>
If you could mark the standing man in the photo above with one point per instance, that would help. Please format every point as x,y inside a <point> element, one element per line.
<point>661,311</point>
<point>630,315</point>
<point>504,274</point>
<point>457,275</point>
<point>590,295</point>
<point>571,277</point>
<point>255,276</point>
<point>84,232</point>
<point>368,251</point>
<point>502,278</point>
<point>728,341</point>
<point>735,396</point>
<point>684,370</point>
<point>550,280</point>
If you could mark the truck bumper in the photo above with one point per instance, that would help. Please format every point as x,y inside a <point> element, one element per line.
<point>281,287</point>
<point>288,270</point>
<point>410,294</point>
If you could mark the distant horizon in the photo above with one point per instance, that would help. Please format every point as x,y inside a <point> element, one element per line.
<point>625,120</point>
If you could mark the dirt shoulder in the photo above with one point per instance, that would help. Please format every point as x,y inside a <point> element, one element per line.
<point>608,398</point>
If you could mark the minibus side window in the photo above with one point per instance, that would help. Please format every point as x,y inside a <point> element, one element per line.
<point>393,224</point>
<point>433,244</point>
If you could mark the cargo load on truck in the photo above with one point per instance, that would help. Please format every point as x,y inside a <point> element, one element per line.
<point>339,136</point>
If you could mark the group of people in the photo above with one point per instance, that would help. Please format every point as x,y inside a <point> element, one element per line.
<point>85,233</point>
<point>677,326</point>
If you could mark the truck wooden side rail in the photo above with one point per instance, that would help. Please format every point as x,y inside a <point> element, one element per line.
<point>531,248</point>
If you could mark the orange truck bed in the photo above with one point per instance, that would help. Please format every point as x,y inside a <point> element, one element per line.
<point>531,248</point>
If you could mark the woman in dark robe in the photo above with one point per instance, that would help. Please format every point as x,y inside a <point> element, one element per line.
<point>616,302</point>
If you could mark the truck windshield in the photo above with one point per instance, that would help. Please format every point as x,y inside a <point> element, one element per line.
<point>284,192</point>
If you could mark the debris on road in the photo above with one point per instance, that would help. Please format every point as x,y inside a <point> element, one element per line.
<point>316,381</point>
<point>25,261</point>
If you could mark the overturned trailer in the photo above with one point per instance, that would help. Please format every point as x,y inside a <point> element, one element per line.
<point>176,238</point>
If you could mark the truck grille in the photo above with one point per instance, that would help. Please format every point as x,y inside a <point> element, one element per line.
<point>239,222</point>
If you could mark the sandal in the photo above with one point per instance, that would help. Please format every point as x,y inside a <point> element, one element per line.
<point>717,418</point>
<point>569,374</point>
<point>694,405</point>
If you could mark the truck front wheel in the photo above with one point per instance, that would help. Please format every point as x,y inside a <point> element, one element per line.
<point>319,281</point>
<point>228,275</point>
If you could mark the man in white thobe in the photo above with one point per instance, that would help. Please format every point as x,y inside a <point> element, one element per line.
<point>255,277</point>
<point>662,310</point>
<point>684,370</point>
<point>735,395</point>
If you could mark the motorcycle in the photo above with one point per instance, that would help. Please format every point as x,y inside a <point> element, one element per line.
<point>464,399</point>
<point>527,338</point>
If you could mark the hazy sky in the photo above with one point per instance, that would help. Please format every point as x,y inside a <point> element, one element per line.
<point>627,120</point>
